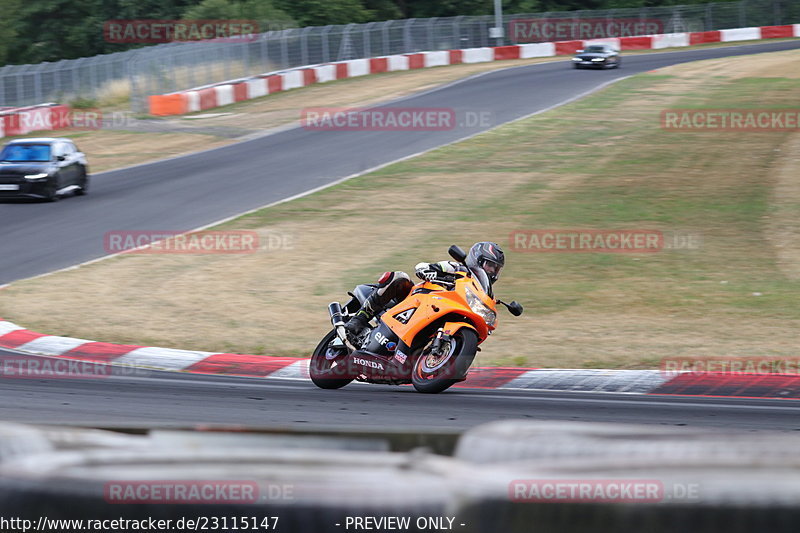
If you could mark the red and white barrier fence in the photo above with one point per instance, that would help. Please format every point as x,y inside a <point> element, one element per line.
<point>41,117</point>
<point>230,92</point>
<point>70,358</point>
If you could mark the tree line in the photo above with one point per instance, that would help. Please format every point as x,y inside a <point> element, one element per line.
<point>32,31</point>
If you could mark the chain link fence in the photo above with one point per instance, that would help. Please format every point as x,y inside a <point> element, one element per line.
<point>132,75</point>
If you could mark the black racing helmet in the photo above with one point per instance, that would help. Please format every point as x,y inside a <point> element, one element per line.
<point>486,258</point>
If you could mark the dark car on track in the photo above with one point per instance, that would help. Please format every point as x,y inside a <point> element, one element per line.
<point>43,168</point>
<point>597,56</point>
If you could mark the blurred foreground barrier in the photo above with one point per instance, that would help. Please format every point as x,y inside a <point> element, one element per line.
<point>622,478</point>
<point>506,476</point>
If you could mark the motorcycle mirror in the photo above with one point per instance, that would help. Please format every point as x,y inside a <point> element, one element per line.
<point>457,253</point>
<point>514,308</point>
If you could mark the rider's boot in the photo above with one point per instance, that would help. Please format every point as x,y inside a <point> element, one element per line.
<point>359,321</point>
<point>391,286</point>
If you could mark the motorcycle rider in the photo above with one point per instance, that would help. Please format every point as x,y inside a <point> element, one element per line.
<point>484,260</point>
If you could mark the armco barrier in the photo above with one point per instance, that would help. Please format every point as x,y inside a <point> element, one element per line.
<point>219,95</point>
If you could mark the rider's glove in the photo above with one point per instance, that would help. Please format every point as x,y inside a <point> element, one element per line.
<point>428,271</point>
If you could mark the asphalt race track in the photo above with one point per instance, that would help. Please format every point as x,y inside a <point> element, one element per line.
<point>153,399</point>
<point>189,192</point>
<point>193,191</point>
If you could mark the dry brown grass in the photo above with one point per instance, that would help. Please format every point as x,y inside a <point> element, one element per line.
<point>784,224</point>
<point>271,299</point>
<point>108,150</point>
<point>585,311</point>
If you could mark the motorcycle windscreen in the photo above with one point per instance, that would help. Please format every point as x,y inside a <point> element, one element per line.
<point>483,280</point>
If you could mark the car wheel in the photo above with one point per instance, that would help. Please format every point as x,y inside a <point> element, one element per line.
<point>84,186</point>
<point>52,193</point>
<point>618,63</point>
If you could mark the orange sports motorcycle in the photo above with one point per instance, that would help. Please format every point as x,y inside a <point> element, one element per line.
<point>429,339</point>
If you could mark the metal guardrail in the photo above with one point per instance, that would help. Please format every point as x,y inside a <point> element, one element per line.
<point>178,66</point>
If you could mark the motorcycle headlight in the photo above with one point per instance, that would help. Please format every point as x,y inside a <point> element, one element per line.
<point>479,308</point>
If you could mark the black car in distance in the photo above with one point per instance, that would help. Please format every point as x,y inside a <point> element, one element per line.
<point>44,168</point>
<point>597,56</point>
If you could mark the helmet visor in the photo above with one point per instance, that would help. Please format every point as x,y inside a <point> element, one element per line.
<point>492,269</point>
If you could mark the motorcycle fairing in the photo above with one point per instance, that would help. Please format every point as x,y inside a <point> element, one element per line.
<point>430,307</point>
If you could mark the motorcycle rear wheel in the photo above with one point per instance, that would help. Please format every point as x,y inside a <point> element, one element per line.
<point>322,370</point>
<point>432,374</point>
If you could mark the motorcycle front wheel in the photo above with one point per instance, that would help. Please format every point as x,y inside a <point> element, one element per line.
<point>328,373</point>
<point>434,373</point>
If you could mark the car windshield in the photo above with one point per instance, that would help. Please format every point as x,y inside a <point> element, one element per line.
<point>595,48</point>
<point>18,153</point>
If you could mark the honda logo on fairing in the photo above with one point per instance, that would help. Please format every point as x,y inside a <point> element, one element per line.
<point>371,364</point>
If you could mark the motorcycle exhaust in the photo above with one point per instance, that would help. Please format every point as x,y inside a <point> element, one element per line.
<point>335,311</point>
